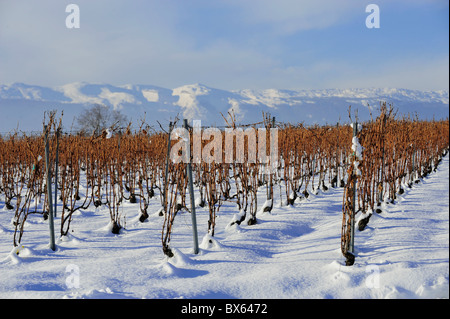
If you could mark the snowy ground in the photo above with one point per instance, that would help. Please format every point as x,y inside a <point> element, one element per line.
<point>294,252</point>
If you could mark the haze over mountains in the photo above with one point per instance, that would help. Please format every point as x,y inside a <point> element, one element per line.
<point>22,106</point>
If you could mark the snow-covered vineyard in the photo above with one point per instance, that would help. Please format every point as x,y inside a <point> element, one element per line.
<point>280,235</point>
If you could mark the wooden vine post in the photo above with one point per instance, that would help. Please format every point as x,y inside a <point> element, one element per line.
<point>349,209</point>
<point>167,168</point>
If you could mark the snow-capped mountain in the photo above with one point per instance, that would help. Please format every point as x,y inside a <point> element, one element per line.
<point>22,106</point>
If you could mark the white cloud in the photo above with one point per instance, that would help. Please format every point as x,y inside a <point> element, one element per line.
<point>288,16</point>
<point>145,42</point>
<point>418,74</point>
<point>115,40</point>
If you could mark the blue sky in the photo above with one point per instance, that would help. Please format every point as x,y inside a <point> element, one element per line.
<point>228,44</point>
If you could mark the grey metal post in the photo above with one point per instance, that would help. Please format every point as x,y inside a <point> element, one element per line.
<point>269,191</point>
<point>167,169</point>
<point>56,170</point>
<point>191,192</point>
<point>413,173</point>
<point>49,193</point>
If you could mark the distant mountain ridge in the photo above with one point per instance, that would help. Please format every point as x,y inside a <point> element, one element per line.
<point>22,105</point>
